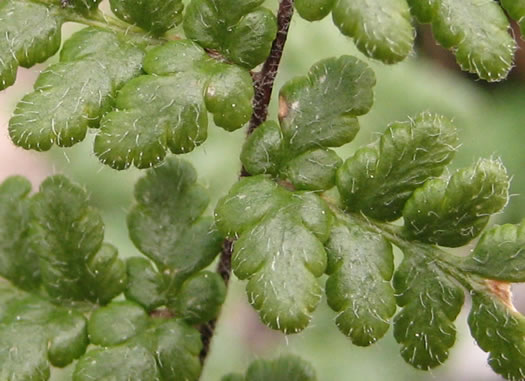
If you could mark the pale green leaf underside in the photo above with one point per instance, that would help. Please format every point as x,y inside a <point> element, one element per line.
<point>29,34</point>
<point>155,16</point>
<point>68,236</point>
<point>452,213</point>
<point>381,29</point>
<point>279,250</point>
<point>379,178</point>
<point>499,254</point>
<point>167,109</point>
<point>243,32</point>
<point>499,330</point>
<point>360,267</point>
<point>430,303</point>
<point>167,223</point>
<point>34,334</point>
<point>477,31</point>
<point>71,96</point>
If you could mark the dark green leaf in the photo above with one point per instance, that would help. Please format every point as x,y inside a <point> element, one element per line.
<point>279,250</point>
<point>116,323</point>
<point>360,265</point>
<point>499,254</point>
<point>381,29</point>
<point>146,286</point>
<point>311,122</point>
<point>167,351</point>
<point>241,31</point>
<point>431,302</point>
<point>263,150</point>
<point>72,95</point>
<point>107,274</point>
<point>29,34</point>
<point>167,223</point>
<point>68,239</point>
<point>122,363</point>
<point>455,212</point>
<point>310,119</point>
<point>475,30</point>
<point>313,170</point>
<point>500,330</point>
<point>313,10</point>
<point>285,368</point>
<point>18,261</point>
<point>155,16</point>
<point>168,108</point>
<point>177,351</point>
<point>379,178</point>
<point>200,298</point>
<point>35,333</point>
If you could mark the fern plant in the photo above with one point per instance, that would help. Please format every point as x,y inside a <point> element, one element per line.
<point>148,79</point>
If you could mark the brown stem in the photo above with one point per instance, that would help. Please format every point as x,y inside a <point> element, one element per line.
<point>264,80</point>
<point>263,84</point>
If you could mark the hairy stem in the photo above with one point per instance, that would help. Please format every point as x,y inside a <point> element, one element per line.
<point>263,85</point>
<point>264,80</point>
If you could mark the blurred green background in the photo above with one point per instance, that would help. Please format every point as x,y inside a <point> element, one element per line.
<point>491,121</point>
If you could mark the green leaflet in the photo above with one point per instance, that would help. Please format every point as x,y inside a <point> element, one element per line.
<point>309,119</point>
<point>455,212</point>
<point>34,333</point>
<point>310,123</point>
<point>279,250</point>
<point>72,95</point>
<point>313,10</point>
<point>476,30</point>
<point>155,16</point>
<point>499,329</point>
<point>243,32</point>
<point>499,254</point>
<point>284,368</point>
<point>146,286</point>
<point>200,298</point>
<point>197,300</point>
<point>17,259</point>
<point>29,34</point>
<point>379,178</point>
<point>144,350</point>
<point>360,267</point>
<point>516,10</point>
<point>381,29</point>
<point>431,302</point>
<point>167,223</point>
<point>167,108</point>
<point>68,235</point>
<point>104,331</point>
